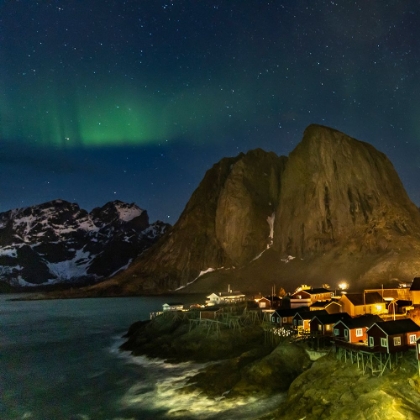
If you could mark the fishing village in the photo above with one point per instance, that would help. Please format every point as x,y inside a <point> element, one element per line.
<point>372,329</point>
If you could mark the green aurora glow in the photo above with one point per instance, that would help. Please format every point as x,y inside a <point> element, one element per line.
<point>92,119</point>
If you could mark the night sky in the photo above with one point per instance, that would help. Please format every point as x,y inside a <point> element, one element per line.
<point>135,100</point>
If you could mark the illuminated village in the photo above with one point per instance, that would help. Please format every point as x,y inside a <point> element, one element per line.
<point>372,329</point>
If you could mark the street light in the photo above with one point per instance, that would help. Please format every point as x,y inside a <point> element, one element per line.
<point>343,286</point>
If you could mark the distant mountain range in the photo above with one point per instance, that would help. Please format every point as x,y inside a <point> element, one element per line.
<point>334,209</point>
<point>58,243</point>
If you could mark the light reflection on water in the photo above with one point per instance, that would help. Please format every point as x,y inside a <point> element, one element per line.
<point>60,360</point>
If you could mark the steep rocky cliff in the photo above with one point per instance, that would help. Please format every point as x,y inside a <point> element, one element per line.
<point>334,209</point>
<point>338,190</point>
<point>226,223</point>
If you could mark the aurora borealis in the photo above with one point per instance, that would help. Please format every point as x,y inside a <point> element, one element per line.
<point>135,100</point>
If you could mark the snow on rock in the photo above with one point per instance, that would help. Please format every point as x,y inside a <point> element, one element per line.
<point>270,221</point>
<point>209,270</point>
<point>127,213</point>
<point>8,252</point>
<point>259,255</point>
<point>69,269</point>
<point>60,242</point>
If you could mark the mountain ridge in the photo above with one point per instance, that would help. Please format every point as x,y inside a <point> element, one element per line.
<point>57,242</point>
<point>336,205</point>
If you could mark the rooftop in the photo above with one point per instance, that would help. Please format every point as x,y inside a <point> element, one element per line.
<point>361,321</point>
<point>399,326</point>
<point>415,286</point>
<point>358,299</point>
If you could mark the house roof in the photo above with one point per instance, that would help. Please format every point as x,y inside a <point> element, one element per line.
<point>318,290</point>
<point>358,299</point>
<point>390,293</point>
<point>231,294</point>
<point>291,311</point>
<point>361,321</point>
<point>415,286</point>
<point>401,303</point>
<point>331,318</point>
<point>323,304</point>
<point>310,314</point>
<point>273,298</point>
<point>399,326</point>
<point>225,294</point>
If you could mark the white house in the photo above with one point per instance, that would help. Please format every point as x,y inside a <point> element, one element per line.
<point>173,306</point>
<point>224,298</point>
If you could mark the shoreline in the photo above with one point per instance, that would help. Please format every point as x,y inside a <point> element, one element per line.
<point>315,383</point>
<point>242,363</point>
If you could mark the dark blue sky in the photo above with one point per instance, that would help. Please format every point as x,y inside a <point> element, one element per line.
<point>135,100</point>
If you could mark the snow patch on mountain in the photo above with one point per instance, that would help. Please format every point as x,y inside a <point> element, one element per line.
<point>128,213</point>
<point>270,221</point>
<point>8,251</point>
<point>73,268</point>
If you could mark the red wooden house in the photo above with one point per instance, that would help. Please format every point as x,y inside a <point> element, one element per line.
<point>301,321</point>
<point>284,317</point>
<point>322,323</point>
<point>353,330</point>
<point>393,336</point>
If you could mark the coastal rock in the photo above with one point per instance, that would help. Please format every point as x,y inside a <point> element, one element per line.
<point>274,372</point>
<point>242,363</point>
<point>171,337</point>
<point>336,390</point>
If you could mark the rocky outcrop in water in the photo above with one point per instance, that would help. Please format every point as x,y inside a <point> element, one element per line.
<point>242,362</point>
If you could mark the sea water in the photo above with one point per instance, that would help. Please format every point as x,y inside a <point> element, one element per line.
<point>59,359</point>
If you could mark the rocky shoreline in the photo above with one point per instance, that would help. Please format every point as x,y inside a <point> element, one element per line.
<point>245,363</point>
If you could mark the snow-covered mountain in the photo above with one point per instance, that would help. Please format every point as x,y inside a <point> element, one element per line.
<point>58,242</point>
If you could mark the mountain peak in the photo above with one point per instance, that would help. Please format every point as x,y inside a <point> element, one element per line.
<point>336,203</point>
<point>57,242</point>
<point>335,187</point>
<point>119,211</point>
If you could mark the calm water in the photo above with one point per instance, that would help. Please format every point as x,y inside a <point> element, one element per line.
<point>60,360</point>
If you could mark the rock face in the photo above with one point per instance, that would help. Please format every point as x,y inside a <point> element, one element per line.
<point>336,390</point>
<point>336,188</point>
<point>335,208</point>
<point>226,223</point>
<point>245,363</point>
<point>57,242</point>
